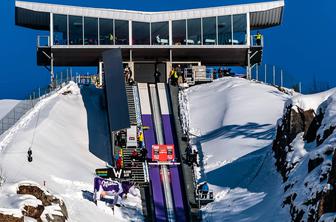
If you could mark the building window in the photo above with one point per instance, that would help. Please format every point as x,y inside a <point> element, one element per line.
<point>90,31</point>
<point>209,31</point>
<point>160,33</point>
<point>76,30</point>
<point>141,33</point>
<point>121,32</point>
<point>240,29</point>
<point>179,32</point>
<point>194,32</point>
<point>106,32</point>
<point>60,29</point>
<point>225,30</point>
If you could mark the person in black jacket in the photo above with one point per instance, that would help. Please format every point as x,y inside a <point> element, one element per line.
<point>157,75</point>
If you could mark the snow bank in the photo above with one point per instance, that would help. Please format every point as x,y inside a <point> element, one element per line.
<point>61,158</point>
<point>232,124</point>
<point>329,110</point>
<point>231,117</point>
<point>312,101</point>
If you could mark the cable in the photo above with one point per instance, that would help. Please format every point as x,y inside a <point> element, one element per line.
<point>37,120</point>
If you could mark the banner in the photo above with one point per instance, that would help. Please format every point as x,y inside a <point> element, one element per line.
<point>114,173</point>
<point>106,188</point>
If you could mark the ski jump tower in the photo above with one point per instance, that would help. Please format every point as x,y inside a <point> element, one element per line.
<point>78,36</point>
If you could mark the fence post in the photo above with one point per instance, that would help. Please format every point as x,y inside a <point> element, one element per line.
<point>257,72</point>
<point>61,78</point>
<point>274,75</point>
<point>300,87</point>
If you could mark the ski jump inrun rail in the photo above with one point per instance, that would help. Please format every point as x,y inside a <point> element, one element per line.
<point>166,183</point>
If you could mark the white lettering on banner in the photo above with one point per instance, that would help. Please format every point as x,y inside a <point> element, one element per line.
<point>117,173</point>
<point>106,183</point>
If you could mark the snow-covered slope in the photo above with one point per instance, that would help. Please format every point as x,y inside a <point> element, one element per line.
<point>61,158</point>
<point>233,122</point>
<point>6,105</point>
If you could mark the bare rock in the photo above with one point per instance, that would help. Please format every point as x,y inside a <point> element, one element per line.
<point>7,217</point>
<point>313,163</point>
<point>36,191</point>
<point>33,211</point>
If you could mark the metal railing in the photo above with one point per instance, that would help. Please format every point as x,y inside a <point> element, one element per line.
<point>43,41</point>
<point>20,109</point>
<point>276,76</point>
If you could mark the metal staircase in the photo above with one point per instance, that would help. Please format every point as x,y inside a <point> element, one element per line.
<point>131,105</point>
<point>139,169</point>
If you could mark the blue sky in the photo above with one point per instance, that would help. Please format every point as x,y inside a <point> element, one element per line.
<point>303,46</point>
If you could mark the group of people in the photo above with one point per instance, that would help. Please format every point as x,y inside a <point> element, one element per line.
<point>221,73</point>
<point>139,156</point>
<point>191,156</point>
<point>142,155</point>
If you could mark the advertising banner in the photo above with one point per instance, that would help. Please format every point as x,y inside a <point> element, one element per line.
<point>163,153</point>
<point>107,188</point>
<point>114,173</point>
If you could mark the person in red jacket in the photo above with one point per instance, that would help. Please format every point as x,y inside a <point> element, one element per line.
<point>135,155</point>
<point>119,163</point>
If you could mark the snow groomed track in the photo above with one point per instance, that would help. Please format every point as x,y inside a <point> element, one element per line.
<point>167,192</point>
<point>176,183</point>
<point>154,171</point>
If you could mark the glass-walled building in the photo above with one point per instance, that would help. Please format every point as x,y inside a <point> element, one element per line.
<point>219,30</point>
<point>78,36</point>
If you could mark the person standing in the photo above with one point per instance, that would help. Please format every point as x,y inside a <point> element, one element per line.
<point>173,77</point>
<point>119,163</point>
<point>205,190</point>
<point>140,139</point>
<point>143,152</point>
<point>157,75</point>
<point>188,154</point>
<point>258,38</point>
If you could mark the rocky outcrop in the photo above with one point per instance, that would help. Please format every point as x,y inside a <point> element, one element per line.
<point>11,218</point>
<point>294,121</point>
<point>321,198</point>
<point>47,199</point>
<point>33,211</point>
<point>327,203</point>
<point>40,205</point>
<point>36,191</point>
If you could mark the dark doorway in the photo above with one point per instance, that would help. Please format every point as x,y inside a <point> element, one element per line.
<point>144,72</point>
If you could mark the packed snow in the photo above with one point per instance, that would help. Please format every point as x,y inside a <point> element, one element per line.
<point>232,125</point>
<point>312,101</point>
<point>6,105</point>
<point>56,130</point>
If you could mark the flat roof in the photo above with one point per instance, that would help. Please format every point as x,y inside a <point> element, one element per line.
<point>36,15</point>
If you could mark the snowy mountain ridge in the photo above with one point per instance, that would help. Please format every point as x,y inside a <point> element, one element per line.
<point>305,155</point>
